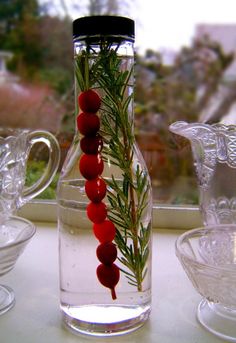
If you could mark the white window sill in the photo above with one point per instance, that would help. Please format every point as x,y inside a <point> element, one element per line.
<point>164,216</point>
<point>36,314</point>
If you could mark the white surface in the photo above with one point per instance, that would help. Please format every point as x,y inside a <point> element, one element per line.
<point>35,318</point>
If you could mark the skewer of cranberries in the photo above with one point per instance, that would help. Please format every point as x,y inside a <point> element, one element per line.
<point>91,167</point>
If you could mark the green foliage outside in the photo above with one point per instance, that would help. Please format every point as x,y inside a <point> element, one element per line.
<point>34,170</point>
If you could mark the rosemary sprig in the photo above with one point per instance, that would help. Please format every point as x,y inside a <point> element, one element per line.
<point>128,195</point>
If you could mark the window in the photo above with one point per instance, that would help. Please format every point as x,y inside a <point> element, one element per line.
<point>180,65</point>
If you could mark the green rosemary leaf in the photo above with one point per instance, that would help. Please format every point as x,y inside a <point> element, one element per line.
<point>129,75</point>
<point>126,187</point>
<point>117,221</point>
<point>130,277</point>
<point>78,74</point>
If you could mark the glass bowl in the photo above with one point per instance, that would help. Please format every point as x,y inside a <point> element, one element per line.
<point>15,233</point>
<point>208,256</point>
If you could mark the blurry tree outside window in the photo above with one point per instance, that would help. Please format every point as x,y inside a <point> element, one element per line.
<point>36,88</point>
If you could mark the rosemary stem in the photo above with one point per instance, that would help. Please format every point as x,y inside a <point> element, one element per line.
<point>134,228</point>
<point>135,237</point>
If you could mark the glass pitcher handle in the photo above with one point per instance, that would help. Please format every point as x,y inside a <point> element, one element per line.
<point>40,136</point>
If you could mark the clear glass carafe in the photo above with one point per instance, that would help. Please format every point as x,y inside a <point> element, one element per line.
<point>104,192</point>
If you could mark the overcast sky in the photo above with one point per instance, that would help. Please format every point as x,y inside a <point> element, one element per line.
<point>171,23</point>
<point>168,24</point>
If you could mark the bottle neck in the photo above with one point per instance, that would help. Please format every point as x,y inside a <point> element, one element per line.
<point>106,65</point>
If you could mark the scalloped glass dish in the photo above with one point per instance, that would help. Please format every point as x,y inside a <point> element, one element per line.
<point>15,234</point>
<point>208,256</point>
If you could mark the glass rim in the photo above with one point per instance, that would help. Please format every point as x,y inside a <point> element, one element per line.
<point>30,234</point>
<point>181,253</point>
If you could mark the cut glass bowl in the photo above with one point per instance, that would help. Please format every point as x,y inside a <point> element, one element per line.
<point>15,233</point>
<point>208,256</point>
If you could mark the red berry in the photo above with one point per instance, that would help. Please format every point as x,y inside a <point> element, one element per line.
<point>91,144</point>
<point>107,253</point>
<point>89,101</point>
<point>88,124</point>
<point>95,189</point>
<point>109,276</point>
<point>105,231</point>
<point>97,212</point>
<point>91,166</point>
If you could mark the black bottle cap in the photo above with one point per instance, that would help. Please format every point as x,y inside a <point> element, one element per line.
<point>103,25</point>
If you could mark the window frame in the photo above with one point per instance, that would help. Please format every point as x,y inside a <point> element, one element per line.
<point>164,215</point>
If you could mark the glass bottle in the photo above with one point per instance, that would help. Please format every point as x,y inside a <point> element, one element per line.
<point>104,191</point>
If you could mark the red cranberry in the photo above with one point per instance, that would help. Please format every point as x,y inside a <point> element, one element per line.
<point>91,166</point>
<point>109,277</point>
<point>105,231</point>
<point>95,189</point>
<point>97,212</point>
<point>89,101</point>
<point>91,144</point>
<point>107,253</point>
<point>88,124</point>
